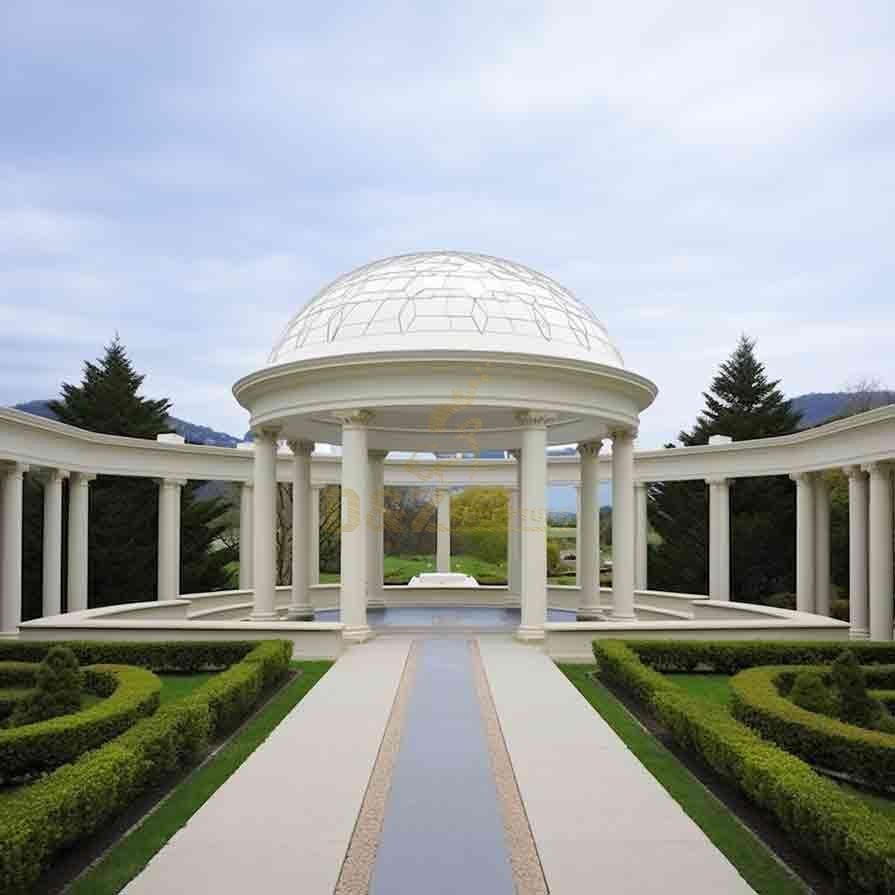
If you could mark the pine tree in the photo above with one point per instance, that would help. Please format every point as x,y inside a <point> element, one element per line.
<point>123,534</point>
<point>744,403</point>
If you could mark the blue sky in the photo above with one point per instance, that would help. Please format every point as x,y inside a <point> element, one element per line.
<point>189,174</point>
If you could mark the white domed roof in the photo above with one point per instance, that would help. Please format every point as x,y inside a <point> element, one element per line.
<point>445,300</point>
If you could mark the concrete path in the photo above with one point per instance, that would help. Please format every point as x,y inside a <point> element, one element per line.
<point>600,820</point>
<point>283,821</point>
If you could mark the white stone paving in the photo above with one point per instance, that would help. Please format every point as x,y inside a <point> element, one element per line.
<point>283,821</point>
<point>601,822</point>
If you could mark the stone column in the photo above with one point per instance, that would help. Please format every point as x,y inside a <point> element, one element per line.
<point>719,538</point>
<point>11,481</point>
<point>534,526</point>
<point>858,507</point>
<point>375,529</point>
<point>78,527</point>
<point>169,538</point>
<point>641,532</point>
<point>623,525</point>
<point>578,535</point>
<point>513,540</point>
<point>880,543</point>
<point>588,524</point>
<point>805,541</point>
<point>443,530</point>
<point>314,527</point>
<point>355,506</point>
<point>246,541</point>
<point>264,524</point>
<point>300,606</point>
<point>52,542</point>
<point>822,583</point>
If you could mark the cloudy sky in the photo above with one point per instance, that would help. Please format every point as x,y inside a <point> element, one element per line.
<point>189,174</point>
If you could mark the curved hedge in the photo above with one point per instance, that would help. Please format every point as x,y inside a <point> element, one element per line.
<point>855,843</point>
<point>756,700</point>
<point>131,694</point>
<point>75,800</point>
<point>18,674</point>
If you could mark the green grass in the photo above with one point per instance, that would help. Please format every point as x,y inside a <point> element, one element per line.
<point>133,853</point>
<point>711,688</point>
<point>176,685</point>
<point>748,854</point>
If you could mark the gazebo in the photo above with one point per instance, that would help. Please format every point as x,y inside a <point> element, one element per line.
<point>444,351</point>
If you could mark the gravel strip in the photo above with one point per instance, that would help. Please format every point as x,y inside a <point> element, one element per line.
<point>357,869</point>
<point>528,874</point>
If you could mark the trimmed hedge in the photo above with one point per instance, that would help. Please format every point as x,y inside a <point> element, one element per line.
<point>174,655</point>
<point>75,800</point>
<point>829,743</point>
<point>131,694</point>
<point>733,656</point>
<point>18,674</point>
<point>855,843</point>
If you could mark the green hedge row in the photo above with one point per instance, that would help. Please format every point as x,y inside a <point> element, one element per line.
<point>75,800</point>
<point>829,743</point>
<point>132,693</point>
<point>856,844</point>
<point>18,674</point>
<point>732,656</point>
<point>185,656</point>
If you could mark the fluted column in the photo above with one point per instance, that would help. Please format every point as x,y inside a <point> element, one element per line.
<point>264,525</point>
<point>588,524</point>
<point>805,541</point>
<point>880,543</point>
<point>246,540</point>
<point>719,538</point>
<point>375,529</point>
<point>300,606</point>
<point>52,542</point>
<point>534,525</point>
<point>443,530</point>
<point>169,538</point>
<point>858,507</point>
<point>822,583</point>
<point>314,527</point>
<point>78,528</point>
<point>355,507</point>
<point>623,524</point>
<point>641,534</point>
<point>11,481</point>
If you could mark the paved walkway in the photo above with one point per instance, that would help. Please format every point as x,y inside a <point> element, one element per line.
<point>437,808</point>
<point>600,820</point>
<point>283,821</point>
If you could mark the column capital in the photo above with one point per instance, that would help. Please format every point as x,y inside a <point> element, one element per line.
<point>301,448</point>
<point>171,483</point>
<point>266,434</point>
<point>50,474</point>
<point>803,477</point>
<point>13,469</point>
<point>590,448</point>
<point>81,478</point>
<point>717,480</point>
<point>354,417</point>
<point>853,472</point>
<point>534,419</point>
<point>623,433</point>
<point>878,469</point>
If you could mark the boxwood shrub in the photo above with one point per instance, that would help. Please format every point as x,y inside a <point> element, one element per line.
<point>854,843</point>
<point>18,674</point>
<point>829,743</point>
<point>732,656</point>
<point>131,694</point>
<point>75,800</point>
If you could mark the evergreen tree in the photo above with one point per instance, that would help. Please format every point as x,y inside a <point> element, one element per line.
<point>123,534</point>
<point>744,403</point>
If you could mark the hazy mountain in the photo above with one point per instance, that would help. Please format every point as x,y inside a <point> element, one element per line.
<point>816,407</point>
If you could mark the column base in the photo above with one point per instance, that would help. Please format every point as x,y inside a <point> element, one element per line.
<point>859,634</point>
<point>590,614</point>
<point>529,634</point>
<point>359,634</point>
<point>264,617</point>
<point>300,612</point>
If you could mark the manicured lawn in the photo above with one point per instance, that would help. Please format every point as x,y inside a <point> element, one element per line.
<point>133,852</point>
<point>176,685</point>
<point>747,853</point>
<point>712,688</point>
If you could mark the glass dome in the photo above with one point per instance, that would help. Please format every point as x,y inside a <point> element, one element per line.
<point>445,300</point>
